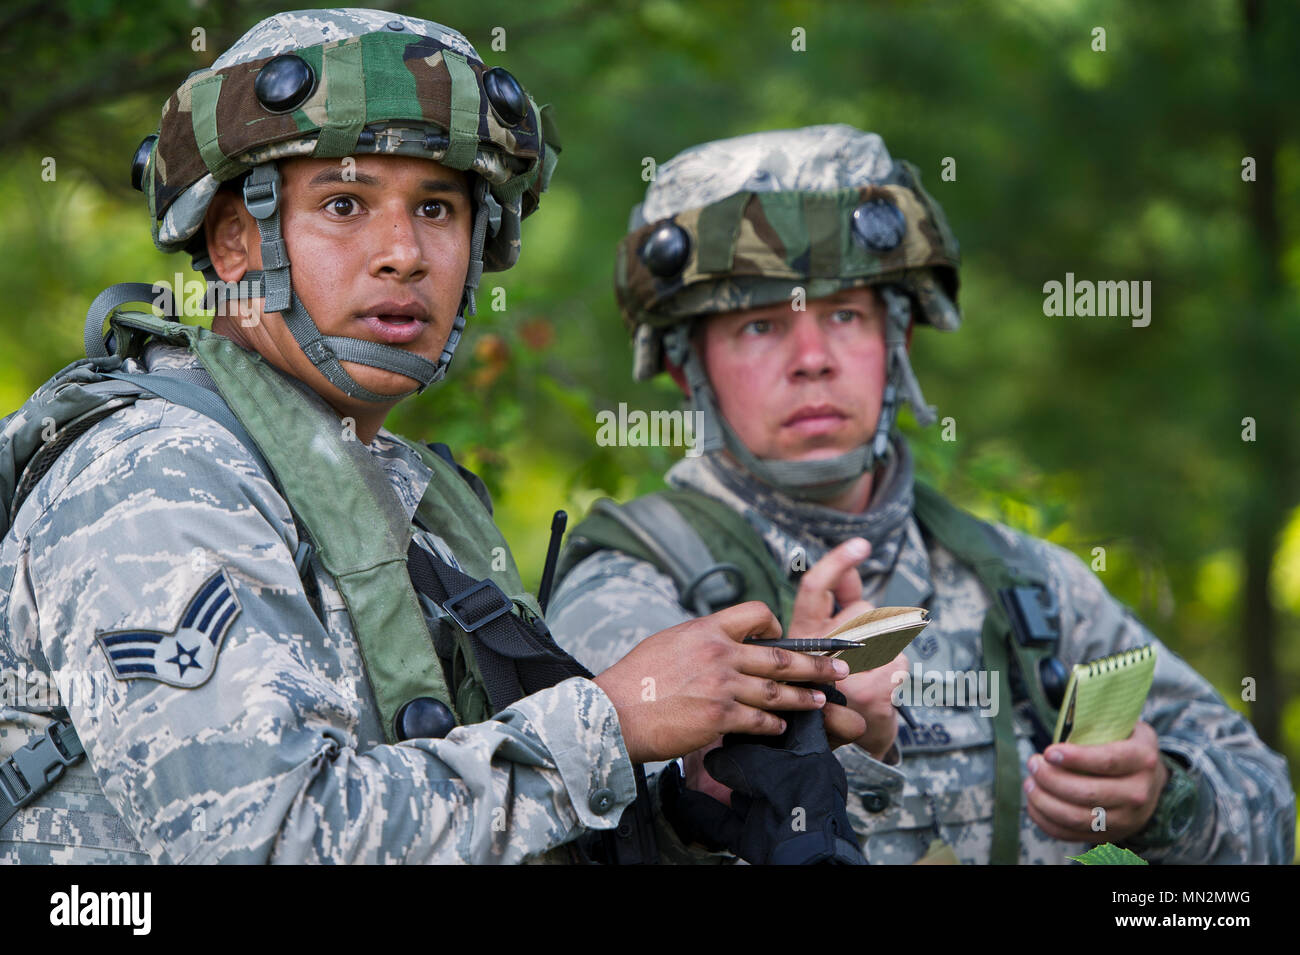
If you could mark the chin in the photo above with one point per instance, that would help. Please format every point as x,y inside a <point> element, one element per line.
<point>378,380</point>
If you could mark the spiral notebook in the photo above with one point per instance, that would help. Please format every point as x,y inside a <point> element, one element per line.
<point>1104,698</point>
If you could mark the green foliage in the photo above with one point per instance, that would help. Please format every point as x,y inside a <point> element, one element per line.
<point>1108,854</point>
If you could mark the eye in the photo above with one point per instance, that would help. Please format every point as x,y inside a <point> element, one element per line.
<point>342,206</point>
<point>435,209</point>
<point>759,326</point>
<point>844,316</point>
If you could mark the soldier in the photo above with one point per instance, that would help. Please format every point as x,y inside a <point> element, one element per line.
<point>776,277</point>
<point>220,572</point>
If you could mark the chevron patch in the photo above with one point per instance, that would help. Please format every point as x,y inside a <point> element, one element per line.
<point>184,656</point>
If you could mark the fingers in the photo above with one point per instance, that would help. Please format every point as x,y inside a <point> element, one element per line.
<point>1077,789</point>
<point>1057,831</point>
<point>751,619</point>
<point>1139,753</point>
<point>837,572</point>
<point>773,695</point>
<point>787,666</point>
<point>843,725</point>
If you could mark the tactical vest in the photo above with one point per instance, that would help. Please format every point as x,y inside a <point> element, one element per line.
<point>491,643</point>
<point>717,559</point>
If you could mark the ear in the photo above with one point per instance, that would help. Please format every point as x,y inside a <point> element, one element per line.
<point>227,228</point>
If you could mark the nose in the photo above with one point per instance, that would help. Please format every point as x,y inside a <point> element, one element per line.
<point>811,357</point>
<point>398,251</point>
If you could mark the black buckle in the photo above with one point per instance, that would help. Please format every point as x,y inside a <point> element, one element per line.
<point>1033,613</point>
<point>38,765</point>
<point>470,626</point>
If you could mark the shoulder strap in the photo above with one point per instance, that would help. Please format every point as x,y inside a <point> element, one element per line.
<point>669,529</point>
<point>350,513</point>
<point>1018,640</point>
<point>1017,588</point>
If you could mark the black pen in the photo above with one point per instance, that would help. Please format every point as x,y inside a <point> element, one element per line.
<point>815,645</point>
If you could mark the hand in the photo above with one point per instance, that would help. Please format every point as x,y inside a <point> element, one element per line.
<point>833,578</point>
<point>869,719</point>
<point>843,725</point>
<point>1068,782</point>
<point>681,688</point>
<point>870,695</point>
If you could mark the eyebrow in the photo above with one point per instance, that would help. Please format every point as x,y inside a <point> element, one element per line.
<point>332,175</point>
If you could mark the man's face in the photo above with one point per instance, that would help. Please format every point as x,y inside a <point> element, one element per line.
<point>800,385</point>
<point>381,257</point>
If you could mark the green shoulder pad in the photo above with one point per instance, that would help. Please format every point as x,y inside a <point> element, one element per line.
<point>713,555</point>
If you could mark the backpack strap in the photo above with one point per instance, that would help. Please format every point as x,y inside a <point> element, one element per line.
<point>669,529</point>
<point>516,658</point>
<point>1018,641</point>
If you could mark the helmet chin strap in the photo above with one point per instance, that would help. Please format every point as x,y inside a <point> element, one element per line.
<point>826,478</point>
<point>327,352</point>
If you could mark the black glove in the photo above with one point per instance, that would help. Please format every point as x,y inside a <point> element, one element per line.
<point>787,801</point>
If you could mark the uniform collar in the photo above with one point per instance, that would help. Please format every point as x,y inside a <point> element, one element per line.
<point>898,571</point>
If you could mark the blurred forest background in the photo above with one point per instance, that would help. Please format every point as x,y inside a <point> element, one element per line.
<point>1170,156</point>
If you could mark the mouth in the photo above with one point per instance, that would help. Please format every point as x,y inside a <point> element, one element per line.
<point>815,419</point>
<point>396,323</point>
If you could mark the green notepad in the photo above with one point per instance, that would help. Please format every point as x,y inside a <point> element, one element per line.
<point>1104,698</point>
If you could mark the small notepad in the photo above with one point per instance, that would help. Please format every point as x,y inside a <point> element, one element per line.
<point>882,633</point>
<point>1104,698</point>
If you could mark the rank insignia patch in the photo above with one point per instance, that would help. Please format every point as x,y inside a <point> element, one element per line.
<point>184,656</point>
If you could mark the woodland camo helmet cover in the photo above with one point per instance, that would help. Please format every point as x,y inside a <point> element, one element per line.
<point>336,83</point>
<point>747,222</point>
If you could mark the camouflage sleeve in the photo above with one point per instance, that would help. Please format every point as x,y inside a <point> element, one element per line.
<point>247,749</point>
<point>608,604</point>
<point>1245,809</point>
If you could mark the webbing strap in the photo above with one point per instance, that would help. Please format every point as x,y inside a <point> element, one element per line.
<point>501,641</point>
<point>1006,779</point>
<point>967,539</point>
<point>718,227</point>
<point>102,306</point>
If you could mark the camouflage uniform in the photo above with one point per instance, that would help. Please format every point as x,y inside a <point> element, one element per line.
<point>278,755</point>
<point>750,222</point>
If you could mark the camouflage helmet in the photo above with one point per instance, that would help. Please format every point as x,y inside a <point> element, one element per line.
<point>741,223</point>
<point>755,220</point>
<point>331,84</point>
